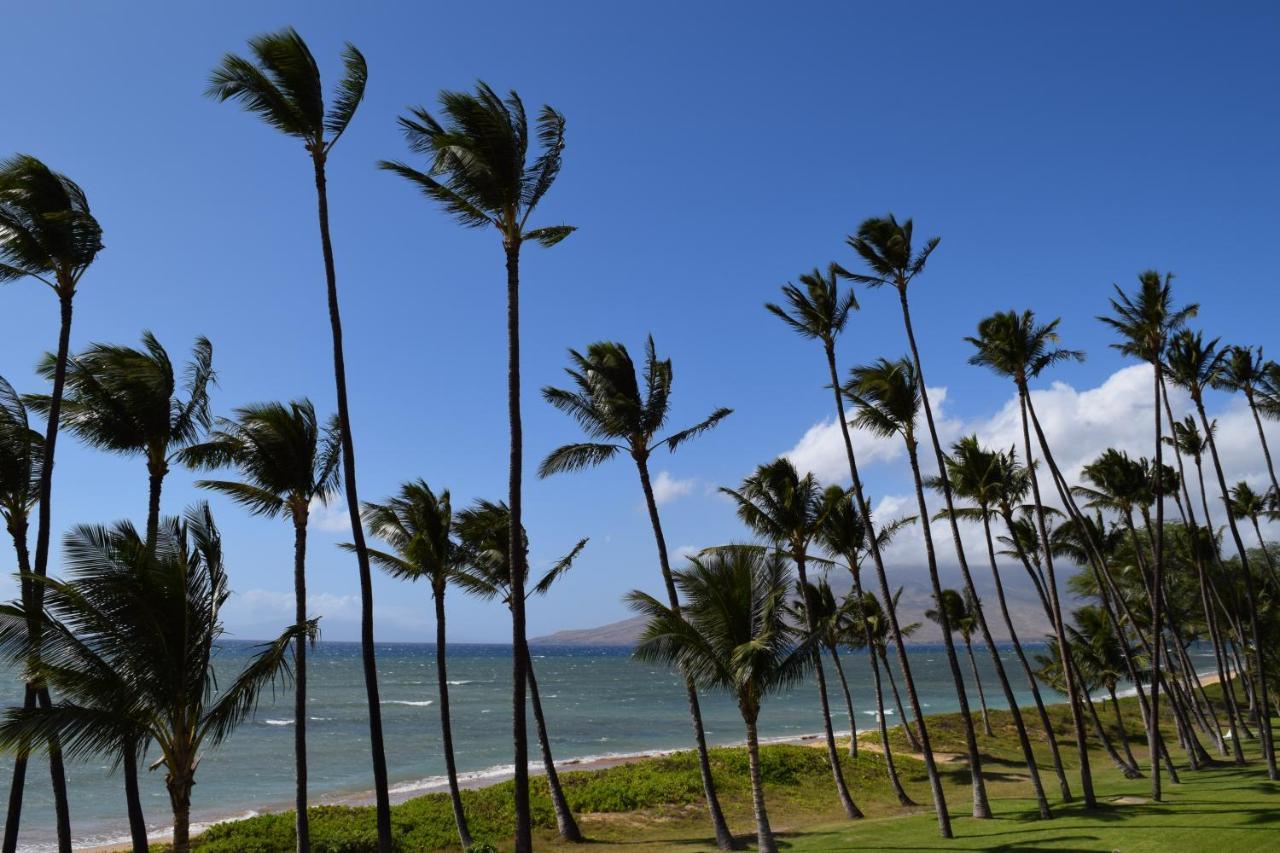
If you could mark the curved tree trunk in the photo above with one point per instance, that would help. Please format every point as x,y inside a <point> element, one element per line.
<point>446,721</point>
<point>873,545</point>
<point>764,834</point>
<point>515,477</point>
<point>833,757</point>
<point>1029,756</point>
<point>1157,590</point>
<point>1124,731</point>
<point>1260,673</point>
<point>912,740</point>
<point>981,806</point>
<point>1130,770</point>
<point>881,723</point>
<point>1059,627</point>
<point>133,800</point>
<point>848,701</point>
<point>382,799</point>
<point>1262,438</point>
<point>302,821</point>
<point>724,838</point>
<point>1045,722</point>
<point>982,696</point>
<point>565,823</point>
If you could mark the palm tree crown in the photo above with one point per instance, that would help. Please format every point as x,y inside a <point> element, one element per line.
<point>887,396</point>
<point>46,229</point>
<point>1193,363</point>
<point>1146,320</point>
<point>885,245</point>
<point>21,458</point>
<point>418,524</point>
<point>815,308</point>
<point>779,504</point>
<point>1015,345</point>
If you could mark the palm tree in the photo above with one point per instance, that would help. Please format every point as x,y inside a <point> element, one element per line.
<point>124,400</point>
<point>281,86</point>
<point>134,631</point>
<point>607,402</point>
<point>831,616</point>
<point>419,525</point>
<point>732,634</point>
<point>994,482</point>
<point>1246,503</point>
<point>478,170</point>
<point>1245,371</point>
<point>484,530</point>
<point>287,460</point>
<point>21,457</point>
<point>959,618</point>
<point>887,398</point>
<point>1095,639</point>
<point>1144,323</point>
<point>819,311</point>
<point>47,233</point>
<point>1017,347</point>
<point>786,509</point>
<point>1194,365</point>
<point>875,623</point>
<point>886,248</point>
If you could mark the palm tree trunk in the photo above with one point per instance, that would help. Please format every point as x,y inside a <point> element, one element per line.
<point>57,772</point>
<point>873,544</point>
<point>180,800</point>
<point>882,724</point>
<point>515,472</point>
<point>1130,770</point>
<point>1045,722</point>
<point>378,753</point>
<point>912,740</point>
<point>1059,628</point>
<point>133,799</point>
<point>1264,703</point>
<point>764,834</point>
<point>982,697</point>
<point>446,722</point>
<point>724,839</point>
<point>1266,553</point>
<point>155,485</point>
<point>1262,438</point>
<point>1157,587</point>
<point>833,757</point>
<point>302,821</point>
<point>567,826</point>
<point>981,806</point>
<point>1124,731</point>
<point>848,701</point>
<point>13,817</point>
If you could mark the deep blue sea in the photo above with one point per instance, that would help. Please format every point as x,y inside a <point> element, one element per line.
<point>598,701</point>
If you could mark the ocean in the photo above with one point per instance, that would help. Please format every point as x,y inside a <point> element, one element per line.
<point>599,702</point>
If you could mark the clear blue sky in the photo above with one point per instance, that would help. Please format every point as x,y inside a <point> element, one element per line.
<point>714,151</point>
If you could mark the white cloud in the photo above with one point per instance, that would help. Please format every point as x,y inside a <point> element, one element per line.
<point>331,518</point>
<point>667,488</point>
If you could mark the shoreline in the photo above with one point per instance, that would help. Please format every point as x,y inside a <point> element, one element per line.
<point>404,791</point>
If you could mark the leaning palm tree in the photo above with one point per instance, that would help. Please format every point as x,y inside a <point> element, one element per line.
<point>281,86</point>
<point>133,630</point>
<point>732,634</point>
<point>618,417</point>
<point>831,616</point>
<point>786,509</point>
<point>994,483</point>
<point>484,531</point>
<point>125,400</point>
<point>887,399</point>
<point>817,309</point>
<point>478,170</point>
<point>47,233</point>
<point>1144,323</point>
<point>419,525</point>
<point>959,619</point>
<point>886,248</point>
<point>1195,365</point>
<point>1245,371</point>
<point>1016,346</point>
<point>1246,503</point>
<point>287,460</point>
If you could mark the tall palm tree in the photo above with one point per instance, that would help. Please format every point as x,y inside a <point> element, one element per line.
<point>887,398</point>
<point>732,634</point>
<point>874,621</point>
<point>1144,322</point>
<point>816,309</point>
<point>484,530</point>
<point>994,482</point>
<point>287,459</point>
<point>1194,365</point>
<point>618,417</point>
<point>134,630</point>
<point>831,617</point>
<point>885,246</point>
<point>478,170</point>
<point>959,620</point>
<point>1244,371</point>
<point>786,509</point>
<point>21,456</point>
<point>125,400</point>
<point>47,233</point>
<point>1246,503</point>
<point>419,525</point>
<point>281,85</point>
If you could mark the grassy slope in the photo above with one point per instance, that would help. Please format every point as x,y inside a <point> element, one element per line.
<point>655,805</point>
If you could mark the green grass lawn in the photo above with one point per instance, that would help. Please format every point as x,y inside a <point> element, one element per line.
<point>656,804</point>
